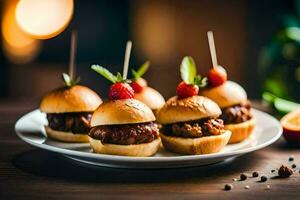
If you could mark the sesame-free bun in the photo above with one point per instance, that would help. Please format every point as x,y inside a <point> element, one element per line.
<point>66,136</point>
<point>240,131</point>
<point>152,98</point>
<point>227,94</point>
<point>123,111</point>
<point>138,150</point>
<point>70,99</point>
<point>187,109</point>
<point>202,145</point>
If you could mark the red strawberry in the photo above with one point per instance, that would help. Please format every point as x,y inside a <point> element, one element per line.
<point>138,85</point>
<point>217,76</point>
<point>185,90</point>
<point>120,91</point>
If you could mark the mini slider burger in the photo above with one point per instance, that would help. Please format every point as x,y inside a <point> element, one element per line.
<point>191,123</point>
<point>232,99</point>
<point>69,109</point>
<point>149,96</point>
<point>123,125</point>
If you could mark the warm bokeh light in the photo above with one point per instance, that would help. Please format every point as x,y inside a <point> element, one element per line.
<point>18,46</point>
<point>44,19</point>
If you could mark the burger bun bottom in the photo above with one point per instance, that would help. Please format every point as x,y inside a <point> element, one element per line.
<point>66,136</point>
<point>240,131</point>
<point>136,150</point>
<point>202,145</point>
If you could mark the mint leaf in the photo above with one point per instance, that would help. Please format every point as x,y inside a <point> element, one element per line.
<point>68,81</point>
<point>200,81</point>
<point>134,74</point>
<point>105,73</point>
<point>188,70</point>
<point>141,71</point>
<point>119,77</point>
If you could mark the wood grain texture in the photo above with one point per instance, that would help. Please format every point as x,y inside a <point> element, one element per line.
<point>30,173</point>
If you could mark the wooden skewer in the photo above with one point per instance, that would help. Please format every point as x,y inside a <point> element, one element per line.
<point>212,48</point>
<point>126,60</point>
<point>73,54</point>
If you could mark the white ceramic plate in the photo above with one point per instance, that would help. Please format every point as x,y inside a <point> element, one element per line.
<point>30,128</point>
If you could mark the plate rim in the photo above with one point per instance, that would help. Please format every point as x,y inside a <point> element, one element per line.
<point>128,159</point>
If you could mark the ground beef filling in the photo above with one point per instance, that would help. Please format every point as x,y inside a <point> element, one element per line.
<point>237,114</point>
<point>126,134</point>
<point>195,129</point>
<point>70,122</point>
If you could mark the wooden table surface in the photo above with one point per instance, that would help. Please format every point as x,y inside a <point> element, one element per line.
<point>30,173</point>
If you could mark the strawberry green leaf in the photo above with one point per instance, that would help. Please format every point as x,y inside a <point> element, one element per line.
<point>134,74</point>
<point>68,81</point>
<point>141,71</point>
<point>188,70</point>
<point>119,77</point>
<point>200,81</point>
<point>105,73</point>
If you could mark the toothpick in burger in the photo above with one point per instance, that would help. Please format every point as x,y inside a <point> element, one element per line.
<point>123,125</point>
<point>191,123</point>
<point>69,108</point>
<point>232,99</point>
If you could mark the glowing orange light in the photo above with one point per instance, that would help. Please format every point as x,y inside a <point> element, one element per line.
<point>18,46</point>
<point>44,19</point>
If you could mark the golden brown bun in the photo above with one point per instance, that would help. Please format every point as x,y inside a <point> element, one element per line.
<point>124,111</point>
<point>240,131</point>
<point>202,145</point>
<point>227,94</point>
<point>138,150</point>
<point>66,136</point>
<point>70,99</point>
<point>152,98</point>
<point>188,109</point>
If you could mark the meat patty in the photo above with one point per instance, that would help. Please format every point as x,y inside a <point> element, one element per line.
<point>125,134</point>
<point>195,129</point>
<point>70,122</point>
<point>237,114</point>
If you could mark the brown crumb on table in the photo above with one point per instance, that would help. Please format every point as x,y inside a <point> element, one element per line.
<point>285,172</point>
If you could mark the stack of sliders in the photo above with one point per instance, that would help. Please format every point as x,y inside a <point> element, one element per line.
<point>142,92</point>
<point>232,99</point>
<point>191,123</point>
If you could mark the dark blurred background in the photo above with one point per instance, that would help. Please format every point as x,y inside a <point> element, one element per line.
<point>162,31</point>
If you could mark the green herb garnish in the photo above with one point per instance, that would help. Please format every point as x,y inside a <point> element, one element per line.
<point>108,75</point>
<point>188,72</point>
<point>69,81</point>
<point>141,71</point>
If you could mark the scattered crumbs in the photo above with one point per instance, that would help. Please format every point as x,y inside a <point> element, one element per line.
<point>247,187</point>
<point>243,177</point>
<point>255,174</point>
<point>263,179</point>
<point>285,172</point>
<point>291,158</point>
<point>268,187</point>
<point>228,187</point>
<point>235,179</point>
